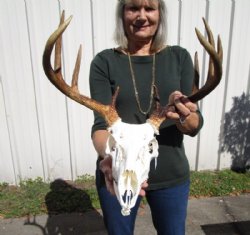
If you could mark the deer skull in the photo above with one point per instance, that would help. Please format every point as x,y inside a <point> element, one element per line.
<point>132,147</point>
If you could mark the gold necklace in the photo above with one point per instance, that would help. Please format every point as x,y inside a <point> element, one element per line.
<point>135,87</point>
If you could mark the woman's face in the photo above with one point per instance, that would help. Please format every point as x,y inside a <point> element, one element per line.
<point>141,19</point>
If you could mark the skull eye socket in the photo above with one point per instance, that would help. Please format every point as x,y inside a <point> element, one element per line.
<point>152,145</point>
<point>150,148</point>
<point>111,144</point>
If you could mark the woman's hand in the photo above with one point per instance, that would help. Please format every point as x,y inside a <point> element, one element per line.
<point>143,187</point>
<point>179,106</point>
<point>106,168</point>
<point>183,111</point>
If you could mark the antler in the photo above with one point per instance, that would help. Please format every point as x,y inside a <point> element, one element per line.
<point>213,77</point>
<point>215,64</point>
<point>55,76</point>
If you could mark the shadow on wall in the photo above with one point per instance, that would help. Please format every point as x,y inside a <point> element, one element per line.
<point>69,212</point>
<point>236,133</point>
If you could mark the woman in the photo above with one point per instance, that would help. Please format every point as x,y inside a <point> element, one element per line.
<point>141,61</point>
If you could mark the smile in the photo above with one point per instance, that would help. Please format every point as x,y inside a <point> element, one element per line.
<point>141,26</point>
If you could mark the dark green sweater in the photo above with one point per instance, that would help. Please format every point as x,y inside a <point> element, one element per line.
<point>174,71</point>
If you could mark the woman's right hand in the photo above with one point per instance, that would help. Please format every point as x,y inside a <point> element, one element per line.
<point>106,168</point>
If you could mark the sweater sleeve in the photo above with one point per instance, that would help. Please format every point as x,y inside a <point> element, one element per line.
<point>100,88</point>
<point>187,76</point>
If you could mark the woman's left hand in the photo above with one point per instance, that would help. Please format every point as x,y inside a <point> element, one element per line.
<point>183,111</point>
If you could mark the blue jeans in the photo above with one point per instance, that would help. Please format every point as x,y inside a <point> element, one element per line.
<point>168,207</point>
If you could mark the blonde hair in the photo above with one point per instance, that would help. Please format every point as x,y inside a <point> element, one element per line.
<point>160,36</point>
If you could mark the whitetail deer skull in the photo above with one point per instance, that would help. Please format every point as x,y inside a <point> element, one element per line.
<point>131,146</point>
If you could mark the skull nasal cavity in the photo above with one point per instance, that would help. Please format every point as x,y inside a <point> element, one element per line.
<point>130,180</point>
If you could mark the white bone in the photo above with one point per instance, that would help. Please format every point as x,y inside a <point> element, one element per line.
<point>132,147</point>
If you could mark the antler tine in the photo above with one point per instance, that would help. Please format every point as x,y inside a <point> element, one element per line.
<point>215,63</point>
<point>74,82</point>
<point>58,47</point>
<point>56,78</point>
<point>158,115</point>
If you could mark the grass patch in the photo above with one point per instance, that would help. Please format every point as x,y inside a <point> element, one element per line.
<point>26,199</point>
<point>34,197</point>
<point>219,183</point>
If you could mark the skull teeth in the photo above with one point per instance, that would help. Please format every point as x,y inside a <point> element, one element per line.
<point>127,198</point>
<point>125,211</point>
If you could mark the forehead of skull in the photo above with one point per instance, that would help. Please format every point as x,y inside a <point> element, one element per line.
<point>122,131</point>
